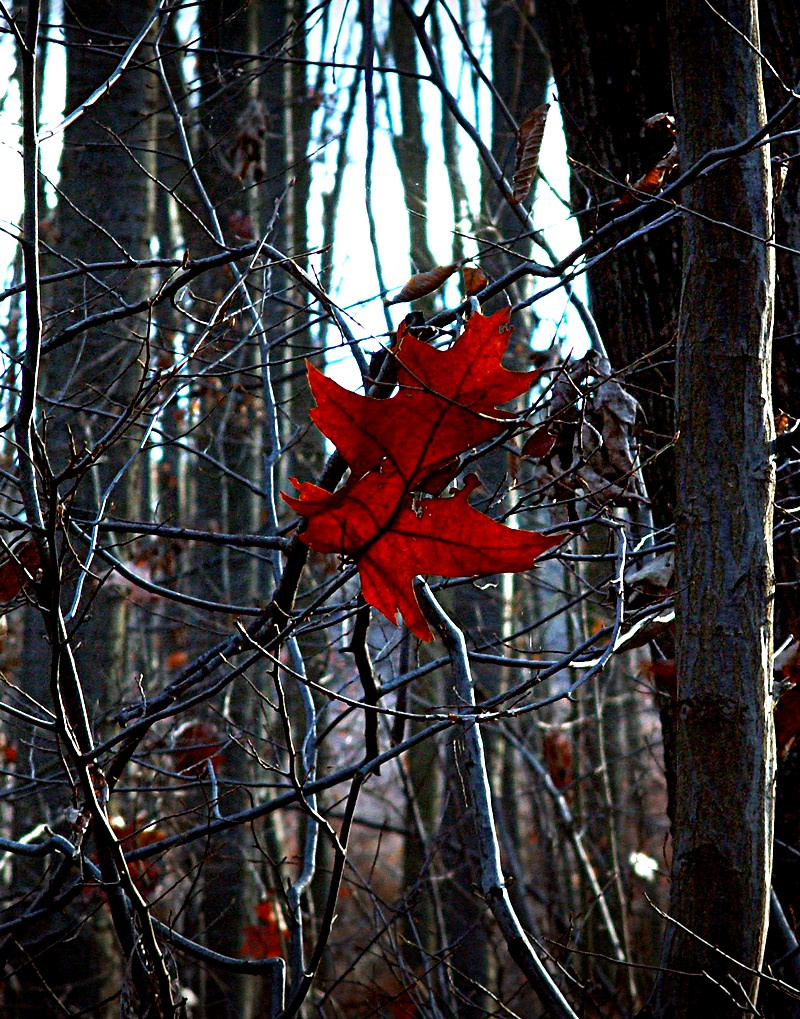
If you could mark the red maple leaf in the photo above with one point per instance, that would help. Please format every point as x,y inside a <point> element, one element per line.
<point>402,451</point>
<point>447,402</point>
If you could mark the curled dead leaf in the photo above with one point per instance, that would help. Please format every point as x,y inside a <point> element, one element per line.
<point>529,147</point>
<point>662,120</point>
<point>474,279</point>
<point>557,748</point>
<point>655,577</point>
<point>651,182</point>
<point>423,283</point>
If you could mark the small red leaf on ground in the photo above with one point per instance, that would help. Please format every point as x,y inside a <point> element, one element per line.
<point>404,1007</point>
<point>8,751</point>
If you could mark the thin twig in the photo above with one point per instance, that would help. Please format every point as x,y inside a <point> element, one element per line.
<point>493,884</point>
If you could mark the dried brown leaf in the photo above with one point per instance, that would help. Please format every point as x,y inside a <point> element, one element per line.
<point>653,181</point>
<point>539,444</point>
<point>18,568</point>
<point>529,146</point>
<point>423,283</point>
<point>557,747</point>
<point>474,279</point>
<point>655,577</point>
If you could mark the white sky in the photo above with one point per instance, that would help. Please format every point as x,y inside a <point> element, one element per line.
<point>355,283</point>
<point>355,278</point>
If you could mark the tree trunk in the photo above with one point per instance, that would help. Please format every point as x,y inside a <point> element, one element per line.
<point>229,154</point>
<point>612,74</point>
<point>724,585</point>
<point>410,149</point>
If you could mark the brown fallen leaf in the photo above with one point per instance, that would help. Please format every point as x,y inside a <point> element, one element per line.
<point>423,283</point>
<point>529,147</point>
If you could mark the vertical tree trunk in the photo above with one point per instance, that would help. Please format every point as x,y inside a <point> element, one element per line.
<point>112,143</point>
<point>228,152</point>
<point>98,373</point>
<point>612,74</point>
<point>520,74</point>
<point>724,584</point>
<point>410,148</point>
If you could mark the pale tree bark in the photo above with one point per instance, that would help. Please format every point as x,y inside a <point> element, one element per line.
<point>724,584</point>
<point>780,37</point>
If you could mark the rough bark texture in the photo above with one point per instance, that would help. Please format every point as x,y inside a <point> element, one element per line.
<point>612,74</point>
<point>97,373</point>
<point>723,823</point>
<point>229,890</point>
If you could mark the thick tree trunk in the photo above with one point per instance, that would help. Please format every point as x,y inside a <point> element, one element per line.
<point>101,372</point>
<point>98,373</point>
<point>229,151</point>
<point>612,74</point>
<point>724,584</point>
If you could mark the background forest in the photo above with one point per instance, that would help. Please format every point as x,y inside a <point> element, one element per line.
<point>249,765</point>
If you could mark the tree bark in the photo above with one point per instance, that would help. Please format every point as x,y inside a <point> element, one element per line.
<point>410,148</point>
<point>612,74</point>
<point>724,583</point>
<point>84,387</point>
